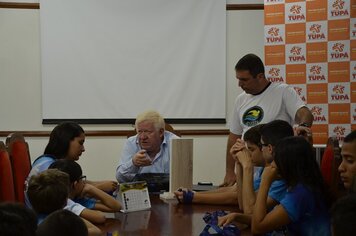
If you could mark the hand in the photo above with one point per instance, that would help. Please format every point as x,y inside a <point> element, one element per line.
<point>304,132</point>
<point>141,158</point>
<point>107,186</point>
<point>238,146</point>
<point>244,157</point>
<point>270,173</point>
<point>229,180</point>
<point>227,219</point>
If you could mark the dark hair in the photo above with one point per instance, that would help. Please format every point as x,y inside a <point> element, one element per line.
<point>62,222</point>
<point>297,165</point>
<point>72,168</point>
<point>276,130</point>
<point>253,135</point>
<point>17,220</point>
<point>252,63</point>
<point>48,191</point>
<point>350,137</point>
<point>343,216</point>
<point>60,138</point>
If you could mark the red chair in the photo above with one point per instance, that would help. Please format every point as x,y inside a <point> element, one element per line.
<point>329,168</point>
<point>7,192</point>
<point>20,161</point>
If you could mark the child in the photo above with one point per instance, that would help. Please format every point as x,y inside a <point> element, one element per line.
<point>66,141</point>
<point>343,216</point>
<point>80,190</point>
<point>257,155</point>
<point>304,208</point>
<point>347,167</point>
<point>17,220</point>
<point>62,222</point>
<point>49,191</point>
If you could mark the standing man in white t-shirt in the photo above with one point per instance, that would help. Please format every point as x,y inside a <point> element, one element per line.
<point>261,102</point>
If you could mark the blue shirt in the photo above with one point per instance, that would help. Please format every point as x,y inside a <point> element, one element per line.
<point>39,165</point>
<point>277,190</point>
<point>307,211</point>
<point>126,170</point>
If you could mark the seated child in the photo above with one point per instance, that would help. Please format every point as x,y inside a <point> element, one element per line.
<point>259,155</point>
<point>347,167</point>
<point>62,222</point>
<point>49,191</point>
<point>66,141</point>
<point>343,216</point>
<point>17,220</point>
<point>304,208</point>
<point>81,192</point>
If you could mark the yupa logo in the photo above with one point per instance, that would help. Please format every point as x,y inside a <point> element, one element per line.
<point>316,33</point>
<point>339,95</point>
<point>273,36</point>
<point>315,74</point>
<point>274,75</point>
<point>295,13</point>
<point>299,92</point>
<point>317,114</point>
<point>296,55</point>
<point>338,51</point>
<point>338,8</point>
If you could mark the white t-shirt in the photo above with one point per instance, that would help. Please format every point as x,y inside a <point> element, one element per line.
<point>277,102</point>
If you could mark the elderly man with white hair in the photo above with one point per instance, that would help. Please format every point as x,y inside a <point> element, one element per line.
<point>148,150</point>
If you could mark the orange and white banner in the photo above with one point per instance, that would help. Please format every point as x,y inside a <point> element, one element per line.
<point>311,45</point>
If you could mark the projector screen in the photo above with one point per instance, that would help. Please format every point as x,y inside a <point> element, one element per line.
<point>105,61</point>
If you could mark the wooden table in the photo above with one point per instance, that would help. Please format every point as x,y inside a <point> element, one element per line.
<point>164,218</point>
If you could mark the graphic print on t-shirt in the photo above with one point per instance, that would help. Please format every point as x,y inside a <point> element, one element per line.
<point>252,116</point>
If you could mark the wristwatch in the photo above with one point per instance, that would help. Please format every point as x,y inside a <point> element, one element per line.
<point>304,124</point>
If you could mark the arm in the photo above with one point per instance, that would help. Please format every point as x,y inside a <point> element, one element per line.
<point>234,217</point>
<point>304,116</point>
<point>93,216</point>
<point>239,179</point>
<point>226,197</point>
<point>248,193</point>
<point>105,185</point>
<point>92,229</point>
<point>107,203</point>
<point>126,170</point>
<point>262,221</point>
<point>235,149</point>
<point>90,215</point>
<point>230,176</point>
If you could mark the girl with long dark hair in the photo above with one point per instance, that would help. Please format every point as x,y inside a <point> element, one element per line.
<point>304,209</point>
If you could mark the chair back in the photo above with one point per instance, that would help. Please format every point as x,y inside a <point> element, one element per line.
<point>7,192</point>
<point>20,161</point>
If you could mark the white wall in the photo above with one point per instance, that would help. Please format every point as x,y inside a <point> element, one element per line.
<point>20,93</point>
